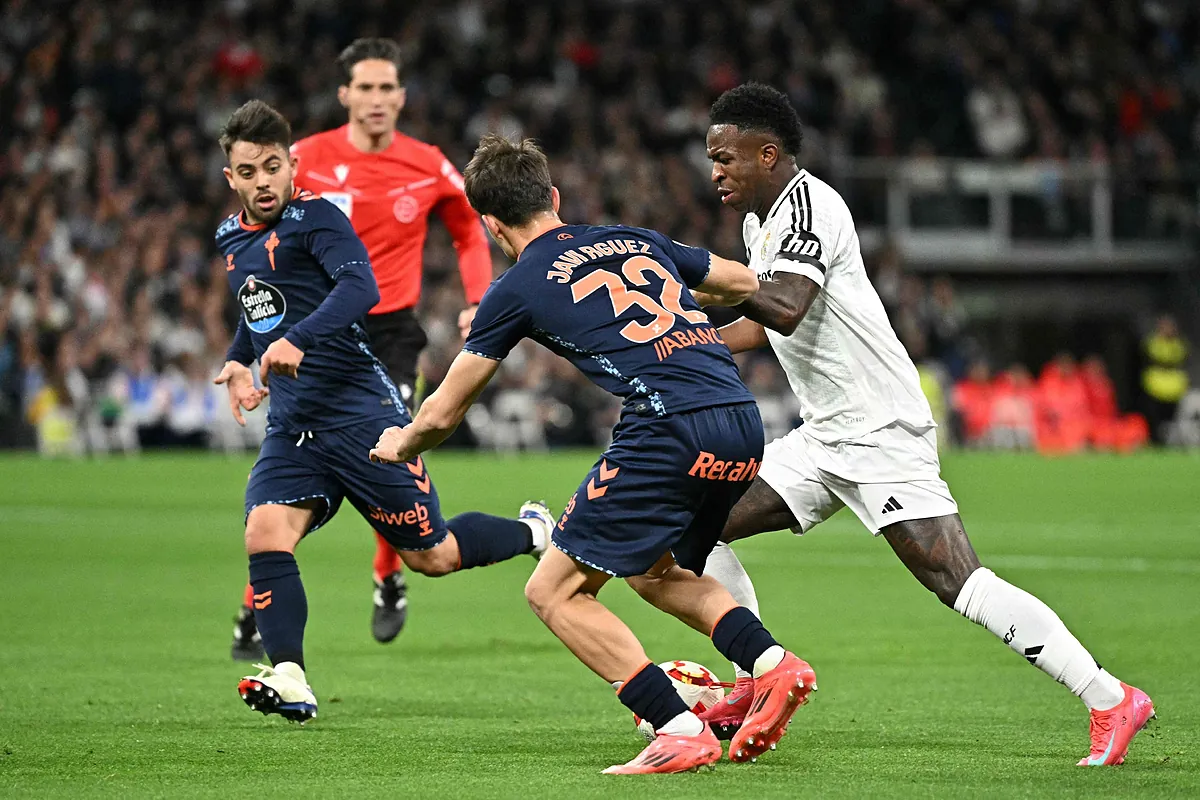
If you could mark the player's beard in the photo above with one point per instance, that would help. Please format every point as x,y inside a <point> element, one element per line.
<point>253,212</point>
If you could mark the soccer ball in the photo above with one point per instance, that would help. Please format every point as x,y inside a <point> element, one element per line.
<point>696,684</point>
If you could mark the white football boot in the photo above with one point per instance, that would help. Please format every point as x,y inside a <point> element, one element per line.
<point>281,690</point>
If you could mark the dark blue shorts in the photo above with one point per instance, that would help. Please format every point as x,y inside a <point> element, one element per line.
<point>665,484</point>
<point>398,500</point>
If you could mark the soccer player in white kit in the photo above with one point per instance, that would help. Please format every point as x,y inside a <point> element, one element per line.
<point>868,440</point>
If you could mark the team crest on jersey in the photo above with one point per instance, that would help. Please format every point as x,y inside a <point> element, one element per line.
<point>341,172</point>
<point>406,208</point>
<point>766,241</point>
<point>263,305</point>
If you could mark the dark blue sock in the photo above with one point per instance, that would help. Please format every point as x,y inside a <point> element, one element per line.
<point>651,695</point>
<point>741,637</point>
<point>280,607</point>
<point>484,539</point>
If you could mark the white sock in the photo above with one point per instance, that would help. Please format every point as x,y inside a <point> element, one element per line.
<point>723,565</point>
<point>769,660</point>
<point>540,535</point>
<point>685,724</point>
<point>1030,627</point>
<point>1103,692</point>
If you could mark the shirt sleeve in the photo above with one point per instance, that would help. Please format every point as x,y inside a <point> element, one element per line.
<point>500,323</point>
<point>803,252</point>
<point>241,349</point>
<point>693,263</point>
<point>466,229</point>
<point>342,256</point>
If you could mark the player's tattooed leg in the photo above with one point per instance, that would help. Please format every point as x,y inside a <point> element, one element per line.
<point>936,551</point>
<point>760,510</point>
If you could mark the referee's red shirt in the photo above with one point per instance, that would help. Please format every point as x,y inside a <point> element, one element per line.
<point>388,197</point>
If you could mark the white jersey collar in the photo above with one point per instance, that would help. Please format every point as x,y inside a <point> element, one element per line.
<point>787,190</point>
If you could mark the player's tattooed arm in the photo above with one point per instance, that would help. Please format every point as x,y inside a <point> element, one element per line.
<point>782,302</point>
<point>441,413</point>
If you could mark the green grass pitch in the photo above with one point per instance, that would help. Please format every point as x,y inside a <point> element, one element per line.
<point>119,580</point>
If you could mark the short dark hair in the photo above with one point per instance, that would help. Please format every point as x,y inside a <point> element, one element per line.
<point>758,107</point>
<point>257,123</point>
<point>367,49</point>
<point>508,180</point>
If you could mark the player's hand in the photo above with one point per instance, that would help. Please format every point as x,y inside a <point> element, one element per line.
<point>465,318</point>
<point>704,299</point>
<point>395,446</point>
<point>242,392</point>
<point>281,358</point>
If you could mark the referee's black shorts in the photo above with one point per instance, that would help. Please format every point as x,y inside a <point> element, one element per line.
<point>397,340</point>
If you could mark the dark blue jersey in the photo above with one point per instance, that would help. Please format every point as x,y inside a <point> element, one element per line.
<point>307,277</point>
<point>612,300</point>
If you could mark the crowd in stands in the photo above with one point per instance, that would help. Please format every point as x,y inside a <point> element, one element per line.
<point>1070,407</point>
<point>114,311</point>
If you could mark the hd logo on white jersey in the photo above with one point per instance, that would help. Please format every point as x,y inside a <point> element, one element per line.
<point>800,243</point>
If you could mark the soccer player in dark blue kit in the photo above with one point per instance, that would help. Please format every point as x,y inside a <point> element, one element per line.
<point>614,301</point>
<point>303,283</point>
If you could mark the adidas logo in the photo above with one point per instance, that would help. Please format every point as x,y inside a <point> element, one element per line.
<point>1031,653</point>
<point>892,504</point>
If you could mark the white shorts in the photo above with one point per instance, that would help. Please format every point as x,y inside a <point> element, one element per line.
<point>890,475</point>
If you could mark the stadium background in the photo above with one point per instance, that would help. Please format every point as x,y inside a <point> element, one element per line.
<point>1024,175</point>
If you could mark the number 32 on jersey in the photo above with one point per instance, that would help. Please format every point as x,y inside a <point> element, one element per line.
<point>663,311</point>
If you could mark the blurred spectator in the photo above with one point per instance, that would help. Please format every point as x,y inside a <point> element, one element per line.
<point>910,319</point>
<point>888,278</point>
<point>999,121</point>
<point>1108,428</point>
<point>1063,409</point>
<point>1014,410</point>
<point>1164,378</point>
<point>972,402</point>
<point>54,396</point>
<point>1070,408</point>
<point>190,400</point>
<point>947,322</point>
<point>108,423</point>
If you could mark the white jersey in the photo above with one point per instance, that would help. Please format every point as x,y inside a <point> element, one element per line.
<point>844,361</point>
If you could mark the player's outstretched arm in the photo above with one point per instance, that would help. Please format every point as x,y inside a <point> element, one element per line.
<point>440,413</point>
<point>782,302</point>
<point>743,335</point>
<point>728,283</point>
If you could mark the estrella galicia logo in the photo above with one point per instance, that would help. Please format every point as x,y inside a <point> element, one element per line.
<point>262,304</point>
